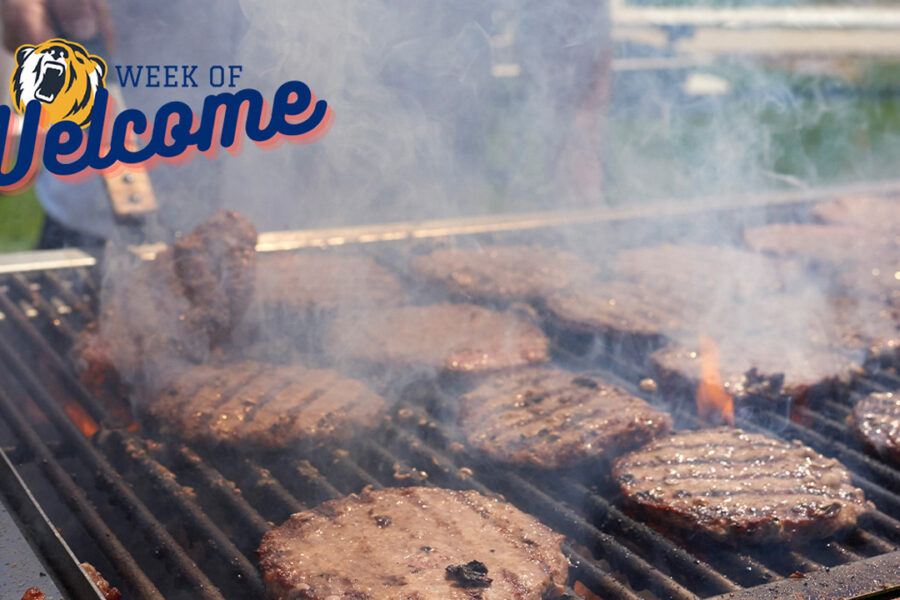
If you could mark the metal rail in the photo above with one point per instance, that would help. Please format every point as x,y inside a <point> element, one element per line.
<point>49,260</point>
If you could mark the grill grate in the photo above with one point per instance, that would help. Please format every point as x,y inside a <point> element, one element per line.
<point>162,519</point>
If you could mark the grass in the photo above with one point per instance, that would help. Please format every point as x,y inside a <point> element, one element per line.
<point>21,219</point>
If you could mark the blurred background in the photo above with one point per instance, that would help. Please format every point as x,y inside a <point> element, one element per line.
<point>709,97</point>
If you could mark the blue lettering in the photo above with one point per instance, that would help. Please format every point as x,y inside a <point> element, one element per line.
<point>181,130</point>
<point>282,107</point>
<point>188,75</point>
<point>118,147</point>
<point>221,71</point>
<point>54,147</point>
<point>171,72</point>
<point>152,75</point>
<point>27,143</point>
<point>131,76</point>
<point>234,71</point>
<point>232,104</point>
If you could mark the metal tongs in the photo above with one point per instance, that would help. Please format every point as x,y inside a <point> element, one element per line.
<point>130,191</point>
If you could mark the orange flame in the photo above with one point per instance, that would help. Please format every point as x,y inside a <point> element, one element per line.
<point>584,592</point>
<point>713,401</point>
<point>81,418</point>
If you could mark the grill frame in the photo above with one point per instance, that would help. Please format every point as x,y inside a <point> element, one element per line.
<point>115,454</point>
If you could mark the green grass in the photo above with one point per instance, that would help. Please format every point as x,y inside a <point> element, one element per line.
<point>21,219</point>
<point>775,130</point>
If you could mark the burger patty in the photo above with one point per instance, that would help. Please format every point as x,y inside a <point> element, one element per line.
<point>703,276</point>
<point>503,273</point>
<point>821,244</point>
<point>216,265</point>
<point>876,422</point>
<point>313,282</point>
<point>615,309</point>
<point>877,213</point>
<point>758,366</point>
<point>452,337</point>
<point>266,406</point>
<point>739,487</point>
<point>551,419</point>
<point>413,543</point>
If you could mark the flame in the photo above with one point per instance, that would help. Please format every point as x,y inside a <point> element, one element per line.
<point>81,418</point>
<point>584,592</point>
<point>713,401</point>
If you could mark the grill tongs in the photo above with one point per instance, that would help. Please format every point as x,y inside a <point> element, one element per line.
<point>129,191</point>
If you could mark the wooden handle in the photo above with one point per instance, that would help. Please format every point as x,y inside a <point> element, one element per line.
<point>130,195</point>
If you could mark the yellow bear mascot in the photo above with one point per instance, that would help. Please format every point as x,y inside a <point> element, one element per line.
<point>60,74</point>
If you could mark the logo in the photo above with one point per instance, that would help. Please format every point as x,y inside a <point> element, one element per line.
<point>71,127</point>
<point>62,76</point>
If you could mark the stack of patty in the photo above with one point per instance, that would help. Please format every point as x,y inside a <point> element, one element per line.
<point>265,406</point>
<point>173,310</point>
<point>550,419</point>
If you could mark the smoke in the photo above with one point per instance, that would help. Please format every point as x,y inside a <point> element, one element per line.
<point>441,109</point>
<point>468,108</point>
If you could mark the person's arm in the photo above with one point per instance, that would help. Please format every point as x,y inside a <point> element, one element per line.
<point>34,21</point>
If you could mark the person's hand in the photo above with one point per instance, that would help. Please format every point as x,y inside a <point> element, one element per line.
<point>34,21</point>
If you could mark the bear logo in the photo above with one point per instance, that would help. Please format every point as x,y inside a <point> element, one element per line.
<point>60,74</point>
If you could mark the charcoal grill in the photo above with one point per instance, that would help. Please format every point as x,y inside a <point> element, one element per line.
<point>162,519</point>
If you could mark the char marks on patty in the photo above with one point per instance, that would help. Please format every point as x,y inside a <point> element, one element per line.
<point>343,549</point>
<point>739,487</point>
<point>548,418</point>
<point>876,421</point>
<point>266,406</point>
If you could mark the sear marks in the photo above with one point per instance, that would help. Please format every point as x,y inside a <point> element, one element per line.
<point>503,274</point>
<point>876,421</point>
<point>551,419</point>
<point>739,487</point>
<point>337,550</point>
<point>266,406</point>
<point>451,337</point>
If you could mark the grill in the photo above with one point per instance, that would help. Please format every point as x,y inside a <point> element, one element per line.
<point>162,519</point>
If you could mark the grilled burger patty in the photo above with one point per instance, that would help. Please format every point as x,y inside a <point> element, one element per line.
<point>615,308</point>
<point>550,419</point>
<point>757,365</point>
<point>503,273</point>
<point>739,487</point>
<point>877,213</point>
<point>216,265</point>
<point>267,406</point>
<point>413,544</point>
<point>876,421</point>
<point>324,282</point>
<point>453,337</point>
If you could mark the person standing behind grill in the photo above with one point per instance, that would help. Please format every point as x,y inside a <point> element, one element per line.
<point>201,32</point>
<point>511,95</point>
